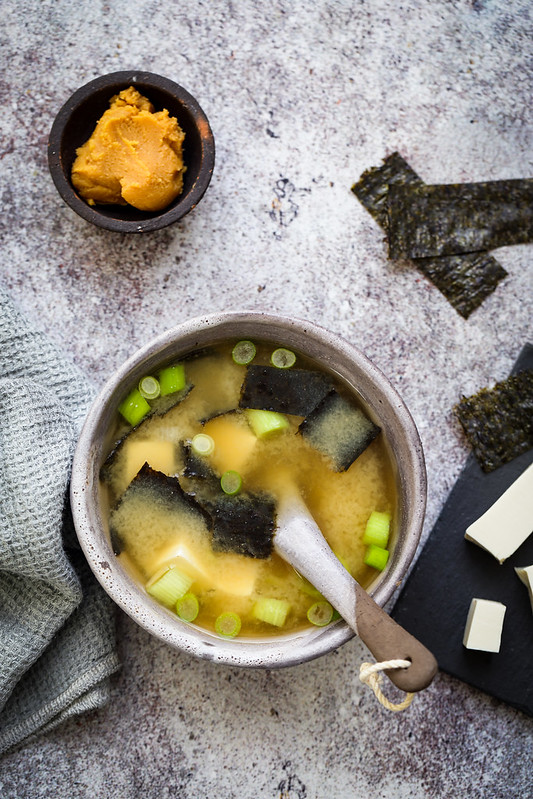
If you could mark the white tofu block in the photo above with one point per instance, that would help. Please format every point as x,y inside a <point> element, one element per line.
<point>507,524</point>
<point>160,455</point>
<point>525,573</point>
<point>484,625</point>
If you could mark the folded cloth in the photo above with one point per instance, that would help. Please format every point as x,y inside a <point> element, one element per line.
<point>56,623</point>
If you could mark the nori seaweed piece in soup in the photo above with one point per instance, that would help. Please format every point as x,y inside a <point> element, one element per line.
<point>339,429</point>
<point>465,280</point>
<point>243,524</point>
<point>293,391</point>
<point>196,467</point>
<point>426,221</point>
<point>156,485</point>
<point>151,494</point>
<point>498,422</point>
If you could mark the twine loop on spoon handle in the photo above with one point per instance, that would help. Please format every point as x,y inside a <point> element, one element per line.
<point>369,674</point>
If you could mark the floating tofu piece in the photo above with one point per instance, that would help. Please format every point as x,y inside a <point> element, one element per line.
<point>234,442</point>
<point>160,455</point>
<point>236,575</point>
<point>187,559</point>
<point>507,524</point>
<point>525,573</point>
<point>484,625</point>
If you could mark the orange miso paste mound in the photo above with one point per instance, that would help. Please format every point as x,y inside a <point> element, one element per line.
<point>134,156</point>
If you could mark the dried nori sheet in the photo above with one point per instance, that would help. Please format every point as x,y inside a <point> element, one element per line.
<point>372,188</point>
<point>293,391</point>
<point>498,422</point>
<point>465,280</point>
<point>339,429</point>
<point>426,221</point>
<point>243,524</point>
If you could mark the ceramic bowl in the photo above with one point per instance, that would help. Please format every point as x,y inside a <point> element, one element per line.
<point>76,121</point>
<point>347,364</point>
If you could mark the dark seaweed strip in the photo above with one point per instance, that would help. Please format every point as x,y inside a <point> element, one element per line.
<point>150,483</point>
<point>243,524</point>
<point>292,391</point>
<point>465,280</point>
<point>372,188</point>
<point>339,429</point>
<point>498,422</point>
<point>426,221</point>
<point>204,482</point>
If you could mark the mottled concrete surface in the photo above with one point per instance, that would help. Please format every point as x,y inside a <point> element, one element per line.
<point>302,98</point>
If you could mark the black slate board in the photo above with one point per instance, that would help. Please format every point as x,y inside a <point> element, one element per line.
<point>450,571</point>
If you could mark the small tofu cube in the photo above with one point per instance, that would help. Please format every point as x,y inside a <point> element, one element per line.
<point>484,625</point>
<point>507,523</point>
<point>234,442</point>
<point>160,455</point>
<point>525,573</point>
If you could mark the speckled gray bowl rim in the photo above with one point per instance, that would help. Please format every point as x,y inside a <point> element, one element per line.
<point>157,221</point>
<point>338,356</point>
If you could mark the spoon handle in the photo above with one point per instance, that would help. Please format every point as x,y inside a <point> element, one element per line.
<point>387,640</point>
<point>300,542</point>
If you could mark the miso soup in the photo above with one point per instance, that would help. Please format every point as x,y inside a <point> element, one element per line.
<point>203,449</point>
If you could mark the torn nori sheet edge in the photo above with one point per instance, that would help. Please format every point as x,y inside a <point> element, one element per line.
<point>427,221</point>
<point>465,280</point>
<point>498,422</point>
<point>293,391</point>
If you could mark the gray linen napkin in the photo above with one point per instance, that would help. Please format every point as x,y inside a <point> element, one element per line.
<point>57,637</point>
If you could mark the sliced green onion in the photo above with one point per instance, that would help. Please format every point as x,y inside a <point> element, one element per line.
<point>134,408</point>
<point>231,482</point>
<point>149,387</point>
<point>320,614</point>
<point>376,557</point>
<point>271,611</point>
<point>228,624</point>
<point>283,358</point>
<point>169,587</point>
<point>172,379</point>
<point>202,444</point>
<point>188,607</point>
<point>243,352</point>
<point>377,529</point>
<point>266,423</point>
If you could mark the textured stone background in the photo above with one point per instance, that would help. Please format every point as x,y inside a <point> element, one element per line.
<point>302,97</point>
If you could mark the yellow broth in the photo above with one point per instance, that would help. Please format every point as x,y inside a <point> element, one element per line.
<point>340,502</point>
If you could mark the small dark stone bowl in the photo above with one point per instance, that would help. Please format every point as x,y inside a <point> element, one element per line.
<point>76,121</point>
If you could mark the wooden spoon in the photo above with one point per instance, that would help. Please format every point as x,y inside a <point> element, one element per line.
<point>300,542</point>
